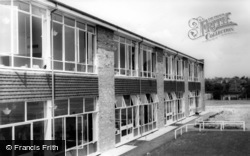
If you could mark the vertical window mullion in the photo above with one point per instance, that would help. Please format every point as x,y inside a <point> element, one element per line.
<point>12,36</point>
<point>31,37</point>
<point>86,52</point>
<point>63,43</point>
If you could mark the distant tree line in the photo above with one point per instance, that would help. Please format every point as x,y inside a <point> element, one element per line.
<point>220,87</point>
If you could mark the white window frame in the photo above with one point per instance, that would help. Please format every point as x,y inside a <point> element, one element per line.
<point>149,52</point>
<point>44,26</point>
<point>76,44</point>
<point>127,71</point>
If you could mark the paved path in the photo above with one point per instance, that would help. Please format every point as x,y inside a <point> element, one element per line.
<point>145,144</point>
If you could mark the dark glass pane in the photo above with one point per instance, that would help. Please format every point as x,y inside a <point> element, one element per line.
<point>21,62</point>
<point>166,65</point>
<point>38,64</point>
<point>57,17</point>
<point>135,116</point>
<point>153,62</point>
<point>69,44</point>
<point>89,104</point>
<point>146,114</point>
<point>11,113</point>
<point>37,37</point>
<point>116,55</point>
<point>69,21</point>
<point>90,49</point>
<point>80,130</point>
<point>85,128</point>
<point>129,115</point>
<point>61,107</point>
<point>6,133</point>
<point>117,138</point>
<point>133,58</point>
<point>76,105</point>
<point>59,129</point>
<point>80,25</point>
<point>57,41</point>
<point>149,62</point>
<point>71,132</point>
<point>58,65</point>
<point>122,56</point>
<point>92,147</point>
<point>124,117</point>
<point>82,151</point>
<point>22,132</point>
<point>81,68</point>
<point>38,130</point>
<point>24,34</point>
<point>127,100</point>
<point>117,120</point>
<point>82,47</point>
<point>5,60</point>
<point>90,127</point>
<point>91,29</point>
<point>35,110</point>
<point>141,114</point>
<point>144,61</point>
<point>69,67</point>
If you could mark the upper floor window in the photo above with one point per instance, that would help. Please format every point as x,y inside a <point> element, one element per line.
<point>173,68</point>
<point>179,69</point>
<point>73,45</point>
<point>126,57</point>
<point>22,41</point>
<point>148,62</point>
<point>191,71</point>
<point>194,72</point>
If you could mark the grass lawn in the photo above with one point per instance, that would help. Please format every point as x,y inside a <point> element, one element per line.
<point>208,143</point>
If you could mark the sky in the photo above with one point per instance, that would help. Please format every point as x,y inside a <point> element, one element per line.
<point>167,22</point>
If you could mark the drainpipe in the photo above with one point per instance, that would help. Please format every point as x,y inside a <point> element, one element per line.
<point>139,47</point>
<point>176,70</point>
<point>52,68</point>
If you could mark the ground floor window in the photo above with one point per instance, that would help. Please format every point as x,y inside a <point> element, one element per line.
<point>74,121</point>
<point>135,115</point>
<point>194,102</point>
<point>173,107</point>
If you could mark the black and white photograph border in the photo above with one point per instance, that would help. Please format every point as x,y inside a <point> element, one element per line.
<point>124,77</point>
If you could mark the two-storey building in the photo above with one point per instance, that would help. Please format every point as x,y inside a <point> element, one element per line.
<point>67,75</point>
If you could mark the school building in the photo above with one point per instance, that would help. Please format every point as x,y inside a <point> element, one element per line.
<point>67,75</point>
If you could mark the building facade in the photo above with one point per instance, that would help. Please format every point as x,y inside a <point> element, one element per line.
<point>67,75</point>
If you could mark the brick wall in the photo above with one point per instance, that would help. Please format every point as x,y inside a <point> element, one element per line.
<point>160,87</point>
<point>106,117</point>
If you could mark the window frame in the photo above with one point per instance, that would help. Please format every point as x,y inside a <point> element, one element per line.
<point>15,40</point>
<point>77,29</point>
<point>128,64</point>
<point>149,72</point>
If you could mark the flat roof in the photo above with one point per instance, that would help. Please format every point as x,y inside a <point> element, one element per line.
<point>125,30</point>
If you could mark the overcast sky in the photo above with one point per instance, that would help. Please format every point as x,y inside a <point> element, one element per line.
<point>166,22</point>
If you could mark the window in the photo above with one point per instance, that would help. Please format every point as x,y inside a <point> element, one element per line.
<point>75,122</point>
<point>24,121</point>
<point>194,101</point>
<point>21,37</point>
<point>73,45</point>
<point>173,68</point>
<point>191,70</point>
<point>134,115</point>
<point>125,57</point>
<point>148,62</point>
<point>179,69</point>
